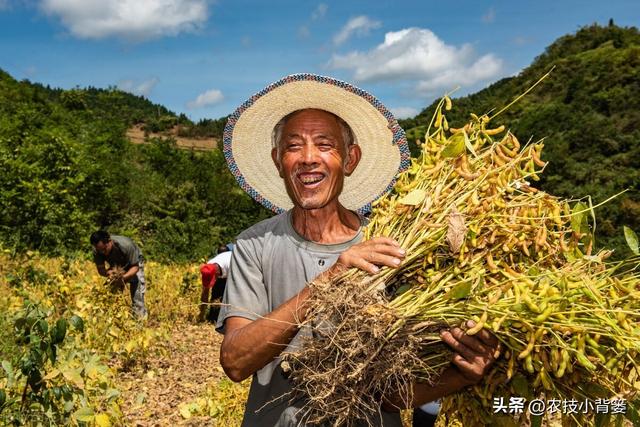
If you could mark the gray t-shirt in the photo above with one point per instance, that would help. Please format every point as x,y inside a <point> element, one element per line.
<point>270,264</point>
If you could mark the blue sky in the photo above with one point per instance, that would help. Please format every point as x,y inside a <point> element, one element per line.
<point>203,57</point>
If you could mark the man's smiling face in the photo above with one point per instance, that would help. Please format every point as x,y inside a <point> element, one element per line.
<point>312,158</point>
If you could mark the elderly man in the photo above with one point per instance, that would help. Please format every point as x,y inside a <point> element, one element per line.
<point>112,253</point>
<point>336,149</point>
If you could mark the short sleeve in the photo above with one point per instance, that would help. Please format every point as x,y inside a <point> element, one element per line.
<point>131,252</point>
<point>245,294</point>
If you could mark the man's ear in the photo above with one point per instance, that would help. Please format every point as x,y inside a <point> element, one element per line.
<point>276,161</point>
<point>354,154</point>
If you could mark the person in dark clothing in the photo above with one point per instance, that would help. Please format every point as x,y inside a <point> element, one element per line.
<point>425,415</point>
<point>115,255</point>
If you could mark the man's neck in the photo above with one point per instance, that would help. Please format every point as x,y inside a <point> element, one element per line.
<point>328,225</point>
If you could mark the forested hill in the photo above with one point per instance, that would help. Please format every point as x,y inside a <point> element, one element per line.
<point>66,168</point>
<point>114,105</point>
<point>587,111</point>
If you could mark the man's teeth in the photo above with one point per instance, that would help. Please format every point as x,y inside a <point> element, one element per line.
<point>310,179</point>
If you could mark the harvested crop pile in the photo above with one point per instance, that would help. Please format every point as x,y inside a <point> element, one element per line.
<point>481,244</point>
<point>114,282</point>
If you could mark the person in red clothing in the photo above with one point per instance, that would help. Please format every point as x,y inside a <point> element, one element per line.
<point>214,280</point>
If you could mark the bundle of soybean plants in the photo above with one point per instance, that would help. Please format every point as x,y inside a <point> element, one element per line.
<point>482,244</point>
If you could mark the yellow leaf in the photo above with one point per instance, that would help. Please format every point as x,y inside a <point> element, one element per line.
<point>73,375</point>
<point>91,371</point>
<point>51,375</point>
<point>455,147</point>
<point>185,411</point>
<point>84,414</point>
<point>414,198</point>
<point>102,420</point>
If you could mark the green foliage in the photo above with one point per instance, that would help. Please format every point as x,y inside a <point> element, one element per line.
<point>44,386</point>
<point>27,273</point>
<point>632,240</point>
<point>67,169</point>
<point>210,128</point>
<point>160,124</point>
<point>588,113</point>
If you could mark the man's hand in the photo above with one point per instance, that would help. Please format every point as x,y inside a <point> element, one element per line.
<point>371,255</point>
<point>474,356</point>
<point>474,353</point>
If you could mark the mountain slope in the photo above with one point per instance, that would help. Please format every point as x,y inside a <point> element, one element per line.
<point>67,169</point>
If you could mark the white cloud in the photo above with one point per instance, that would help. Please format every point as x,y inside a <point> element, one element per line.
<point>134,20</point>
<point>404,112</point>
<point>245,41</point>
<point>142,88</point>
<point>484,68</point>
<point>489,17</point>
<point>304,32</point>
<point>360,26</point>
<point>207,98</point>
<point>4,5</point>
<point>418,55</point>
<point>319,12</point>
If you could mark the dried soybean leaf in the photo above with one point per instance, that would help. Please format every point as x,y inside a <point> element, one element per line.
<point>414,198</point>
<point>455,231</point>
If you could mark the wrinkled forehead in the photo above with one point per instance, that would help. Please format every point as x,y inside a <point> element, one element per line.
<point>311,117</point>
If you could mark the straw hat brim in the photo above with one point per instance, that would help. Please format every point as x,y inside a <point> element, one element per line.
<point>247,139</point>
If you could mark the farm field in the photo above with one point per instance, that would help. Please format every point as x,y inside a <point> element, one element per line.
<point>138,136</point>
<point>109,369</point>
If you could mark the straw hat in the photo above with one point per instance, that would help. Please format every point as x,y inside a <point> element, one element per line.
<point>247,139</point>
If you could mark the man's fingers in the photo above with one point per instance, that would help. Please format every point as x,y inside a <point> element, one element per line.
<point>381,259</point>
<point>458,346</point>
<point>373,254</point>
<point>383,240</point>
<point>363,264</point>
<point>383,249</point>
<point>484,335</point>
<point>470,341</point>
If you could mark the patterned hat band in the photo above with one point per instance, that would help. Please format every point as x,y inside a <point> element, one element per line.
<point>247,139</point>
